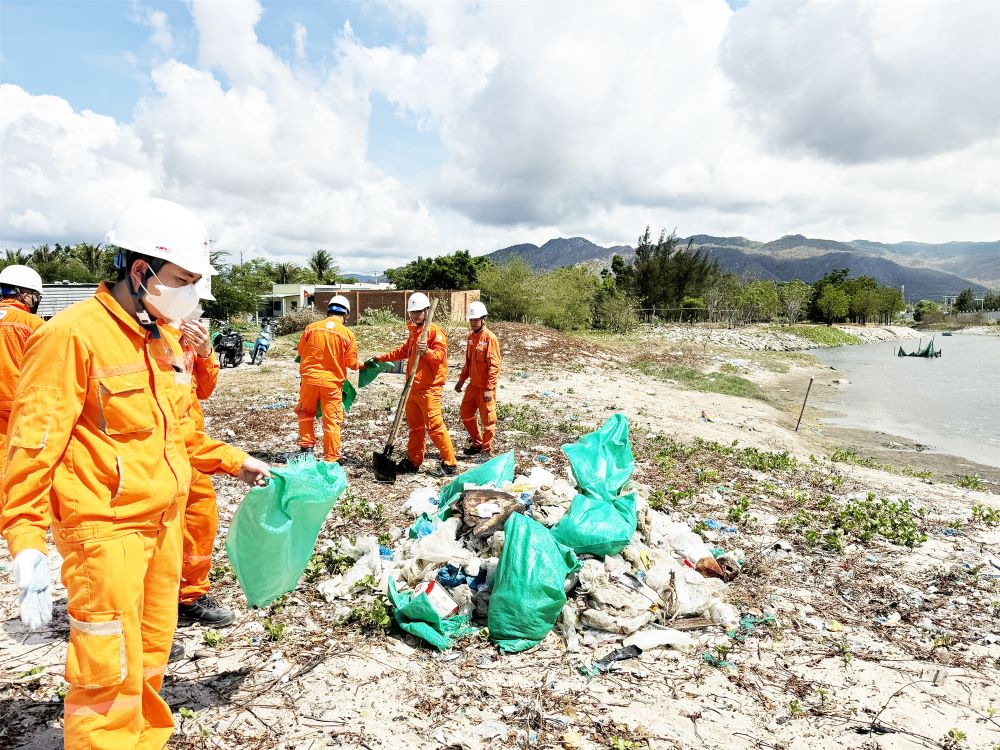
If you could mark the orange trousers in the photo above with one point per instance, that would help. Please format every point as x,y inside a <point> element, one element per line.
<point>4,421</point>
<point>473,404</point>
<point>122,607</point>
<point>423,416</point>
<point>198,527</point>
<point>331,401</point>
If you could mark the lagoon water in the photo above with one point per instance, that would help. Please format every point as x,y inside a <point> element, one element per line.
<point>951,403</point>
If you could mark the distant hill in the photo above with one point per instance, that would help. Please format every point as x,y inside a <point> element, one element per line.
<point>917,266</point>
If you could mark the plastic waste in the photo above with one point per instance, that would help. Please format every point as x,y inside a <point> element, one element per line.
<point>372,371</point>
<point>621,654</point>
<point>528,592</point>
<point>601,461</point>
<point>347,395</point>
<point>422,500</point>
<point>443,604</point>
<point>368,562</point>
<point>567,627</point>
<point>493,473</point>
<point>416,615</point>
<point>597,526</point>
<point>657,637</point>
<point>273,532</point>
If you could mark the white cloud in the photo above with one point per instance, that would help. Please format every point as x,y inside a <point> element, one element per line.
<point>594,122</point>
<point>157,20</point>
<point>299,34</point>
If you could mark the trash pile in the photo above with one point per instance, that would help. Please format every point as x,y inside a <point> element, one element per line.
<point>529,553</point>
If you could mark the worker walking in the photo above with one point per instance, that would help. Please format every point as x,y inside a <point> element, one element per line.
<point>200,520</point>
<point>21,287</point>
<point>99,451</point>
<point>423,407</point>
<point>482,370</point>
<point>327,350</point>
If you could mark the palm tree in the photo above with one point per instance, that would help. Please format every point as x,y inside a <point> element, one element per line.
<point>44,254</point>
<point>94,257</point>
<point>323,266</point>
<point>15,257</point>
<point>286,273</point>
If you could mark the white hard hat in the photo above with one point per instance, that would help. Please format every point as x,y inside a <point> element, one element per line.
<point>163,229</point>
<point>21,276</point>
<point>204,287</point>
<point>418,301</point>
<point>341,300</point>
<point>476,310</point>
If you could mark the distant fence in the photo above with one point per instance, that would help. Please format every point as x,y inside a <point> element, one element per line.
<point>966,317</point>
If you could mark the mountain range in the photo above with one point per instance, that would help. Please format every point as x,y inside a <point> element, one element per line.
<point>925,270</point>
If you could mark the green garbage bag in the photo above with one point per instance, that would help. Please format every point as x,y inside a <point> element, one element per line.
<point>596,526</point>
<point>417,616</point>
<point>274,530</point>
<point>347,395</point>
<point>602,461</point>
<point>492,473</point>
<point>529,584</point>
<point>372,371</point>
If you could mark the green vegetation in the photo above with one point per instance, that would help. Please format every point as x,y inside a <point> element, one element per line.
<point>376,316</point>
<point>739,512</point>
<point>850,457</point>
<point>823,335</point>
<point>460,270</point>
<point>353,507</point>
<point>695,380</point>
<point>972,482</point>
<point>275,630</point>
<point>860,520</point>
<point>562,299</point>
<point>212,638</point>
<point>986,516</point>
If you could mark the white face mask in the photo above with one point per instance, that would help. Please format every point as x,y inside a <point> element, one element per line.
<point>171,302</point>
<point>194,315</point>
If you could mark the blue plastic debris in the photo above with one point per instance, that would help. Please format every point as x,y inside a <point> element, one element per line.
<point>542,459</point>
<point>716,526</point>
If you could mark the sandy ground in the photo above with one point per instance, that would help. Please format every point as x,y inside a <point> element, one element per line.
<point>876,645</point>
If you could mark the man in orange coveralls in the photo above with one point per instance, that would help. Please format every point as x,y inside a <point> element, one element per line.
<point>22,291</point>
<point>99,451</point>
<point>423,407</point>
<point>327,350</point>
<point>482,370</point>
<point>200,520</point>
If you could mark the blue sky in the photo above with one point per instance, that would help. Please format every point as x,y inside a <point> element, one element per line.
<point>436,126</point>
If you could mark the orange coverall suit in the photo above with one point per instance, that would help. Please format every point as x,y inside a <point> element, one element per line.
<point>482,370</point>
<point>200,520</point>
<point>100,450</point>
<point>327,350</point>
<point>16,324</point>
<point>423,407</point>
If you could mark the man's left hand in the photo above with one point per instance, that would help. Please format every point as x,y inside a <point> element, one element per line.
<point>197,336</point>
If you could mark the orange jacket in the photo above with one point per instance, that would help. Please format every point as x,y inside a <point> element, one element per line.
<point>16,324</point>
<point>433,366</point>
<point>328,350</point>
<point>97,444</point>
<point>204,372</point>
<point>482,360</point>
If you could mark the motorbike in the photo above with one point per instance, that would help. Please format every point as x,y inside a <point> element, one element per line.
<point>261,346</point>
<point>229,346</point>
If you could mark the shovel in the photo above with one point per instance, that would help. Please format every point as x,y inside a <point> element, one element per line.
<point>382,463</point>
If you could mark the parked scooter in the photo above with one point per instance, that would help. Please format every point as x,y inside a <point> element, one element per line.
<point>229,346</point>
<point>262,344</point>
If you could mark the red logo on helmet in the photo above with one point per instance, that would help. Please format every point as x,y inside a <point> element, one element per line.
<point>163,249</point>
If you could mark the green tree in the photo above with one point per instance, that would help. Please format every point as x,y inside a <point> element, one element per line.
<point>239,289</point>
<point>890,302</point>
<point>459,270</point>
<point>795,298</point>
<point>323,265</point>
<point>723,299</point>
<point>965,301</point>
<point>509,289</point>
<point>614,310</point>
<point>565,298</point>
<point>286,273</point>
<point>923,307</point>
<point>991,301</point>
<point>14,257</point>
<point>834,304</point>
<point>96,259</point>
<point>665,273</point>
<point>836,278</point>
<point>760,301</point>
<point>864,305</point>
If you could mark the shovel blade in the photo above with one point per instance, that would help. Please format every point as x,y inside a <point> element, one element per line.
<point>384,467</point>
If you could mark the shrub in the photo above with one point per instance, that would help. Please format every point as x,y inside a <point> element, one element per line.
<point>375,316</point>
<point>297,321</point>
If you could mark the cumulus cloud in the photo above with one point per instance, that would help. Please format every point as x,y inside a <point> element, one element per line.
<point>595,122</point>
<point>159,23</point>
<point>863,82</point>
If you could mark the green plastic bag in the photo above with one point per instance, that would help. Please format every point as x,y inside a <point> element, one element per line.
<point>492,473</point>
<point>416,616</point>
<point>274,530</point>
<point>368,374</point>
<point>596,526</point>
<point>347,395</point>
<point>602,461</point>
<point>529,584</point>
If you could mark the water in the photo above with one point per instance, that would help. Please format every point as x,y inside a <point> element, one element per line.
<point>951,403</point>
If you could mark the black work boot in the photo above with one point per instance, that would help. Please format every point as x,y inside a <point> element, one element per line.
<point>406,467</point>
<point>206,611</point>
<point>472,450</point>
<point>176,653</point>
<point>449,470</point>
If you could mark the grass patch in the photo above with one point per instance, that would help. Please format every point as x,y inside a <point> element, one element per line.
<point>972,482</point>
<point>696,380</point>
<point>822,335</point>
<point>860,520</point>
<point>850,457</point>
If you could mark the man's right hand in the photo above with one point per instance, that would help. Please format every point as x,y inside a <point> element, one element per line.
<point>34,584</point>
<point>459,386</point>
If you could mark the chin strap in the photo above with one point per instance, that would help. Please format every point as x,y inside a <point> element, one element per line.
<point>141,313</point>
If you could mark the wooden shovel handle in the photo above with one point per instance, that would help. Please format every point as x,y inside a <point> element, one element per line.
<point>398,421</point>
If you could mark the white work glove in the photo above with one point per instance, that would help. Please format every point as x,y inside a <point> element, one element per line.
<point>34,583</point>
